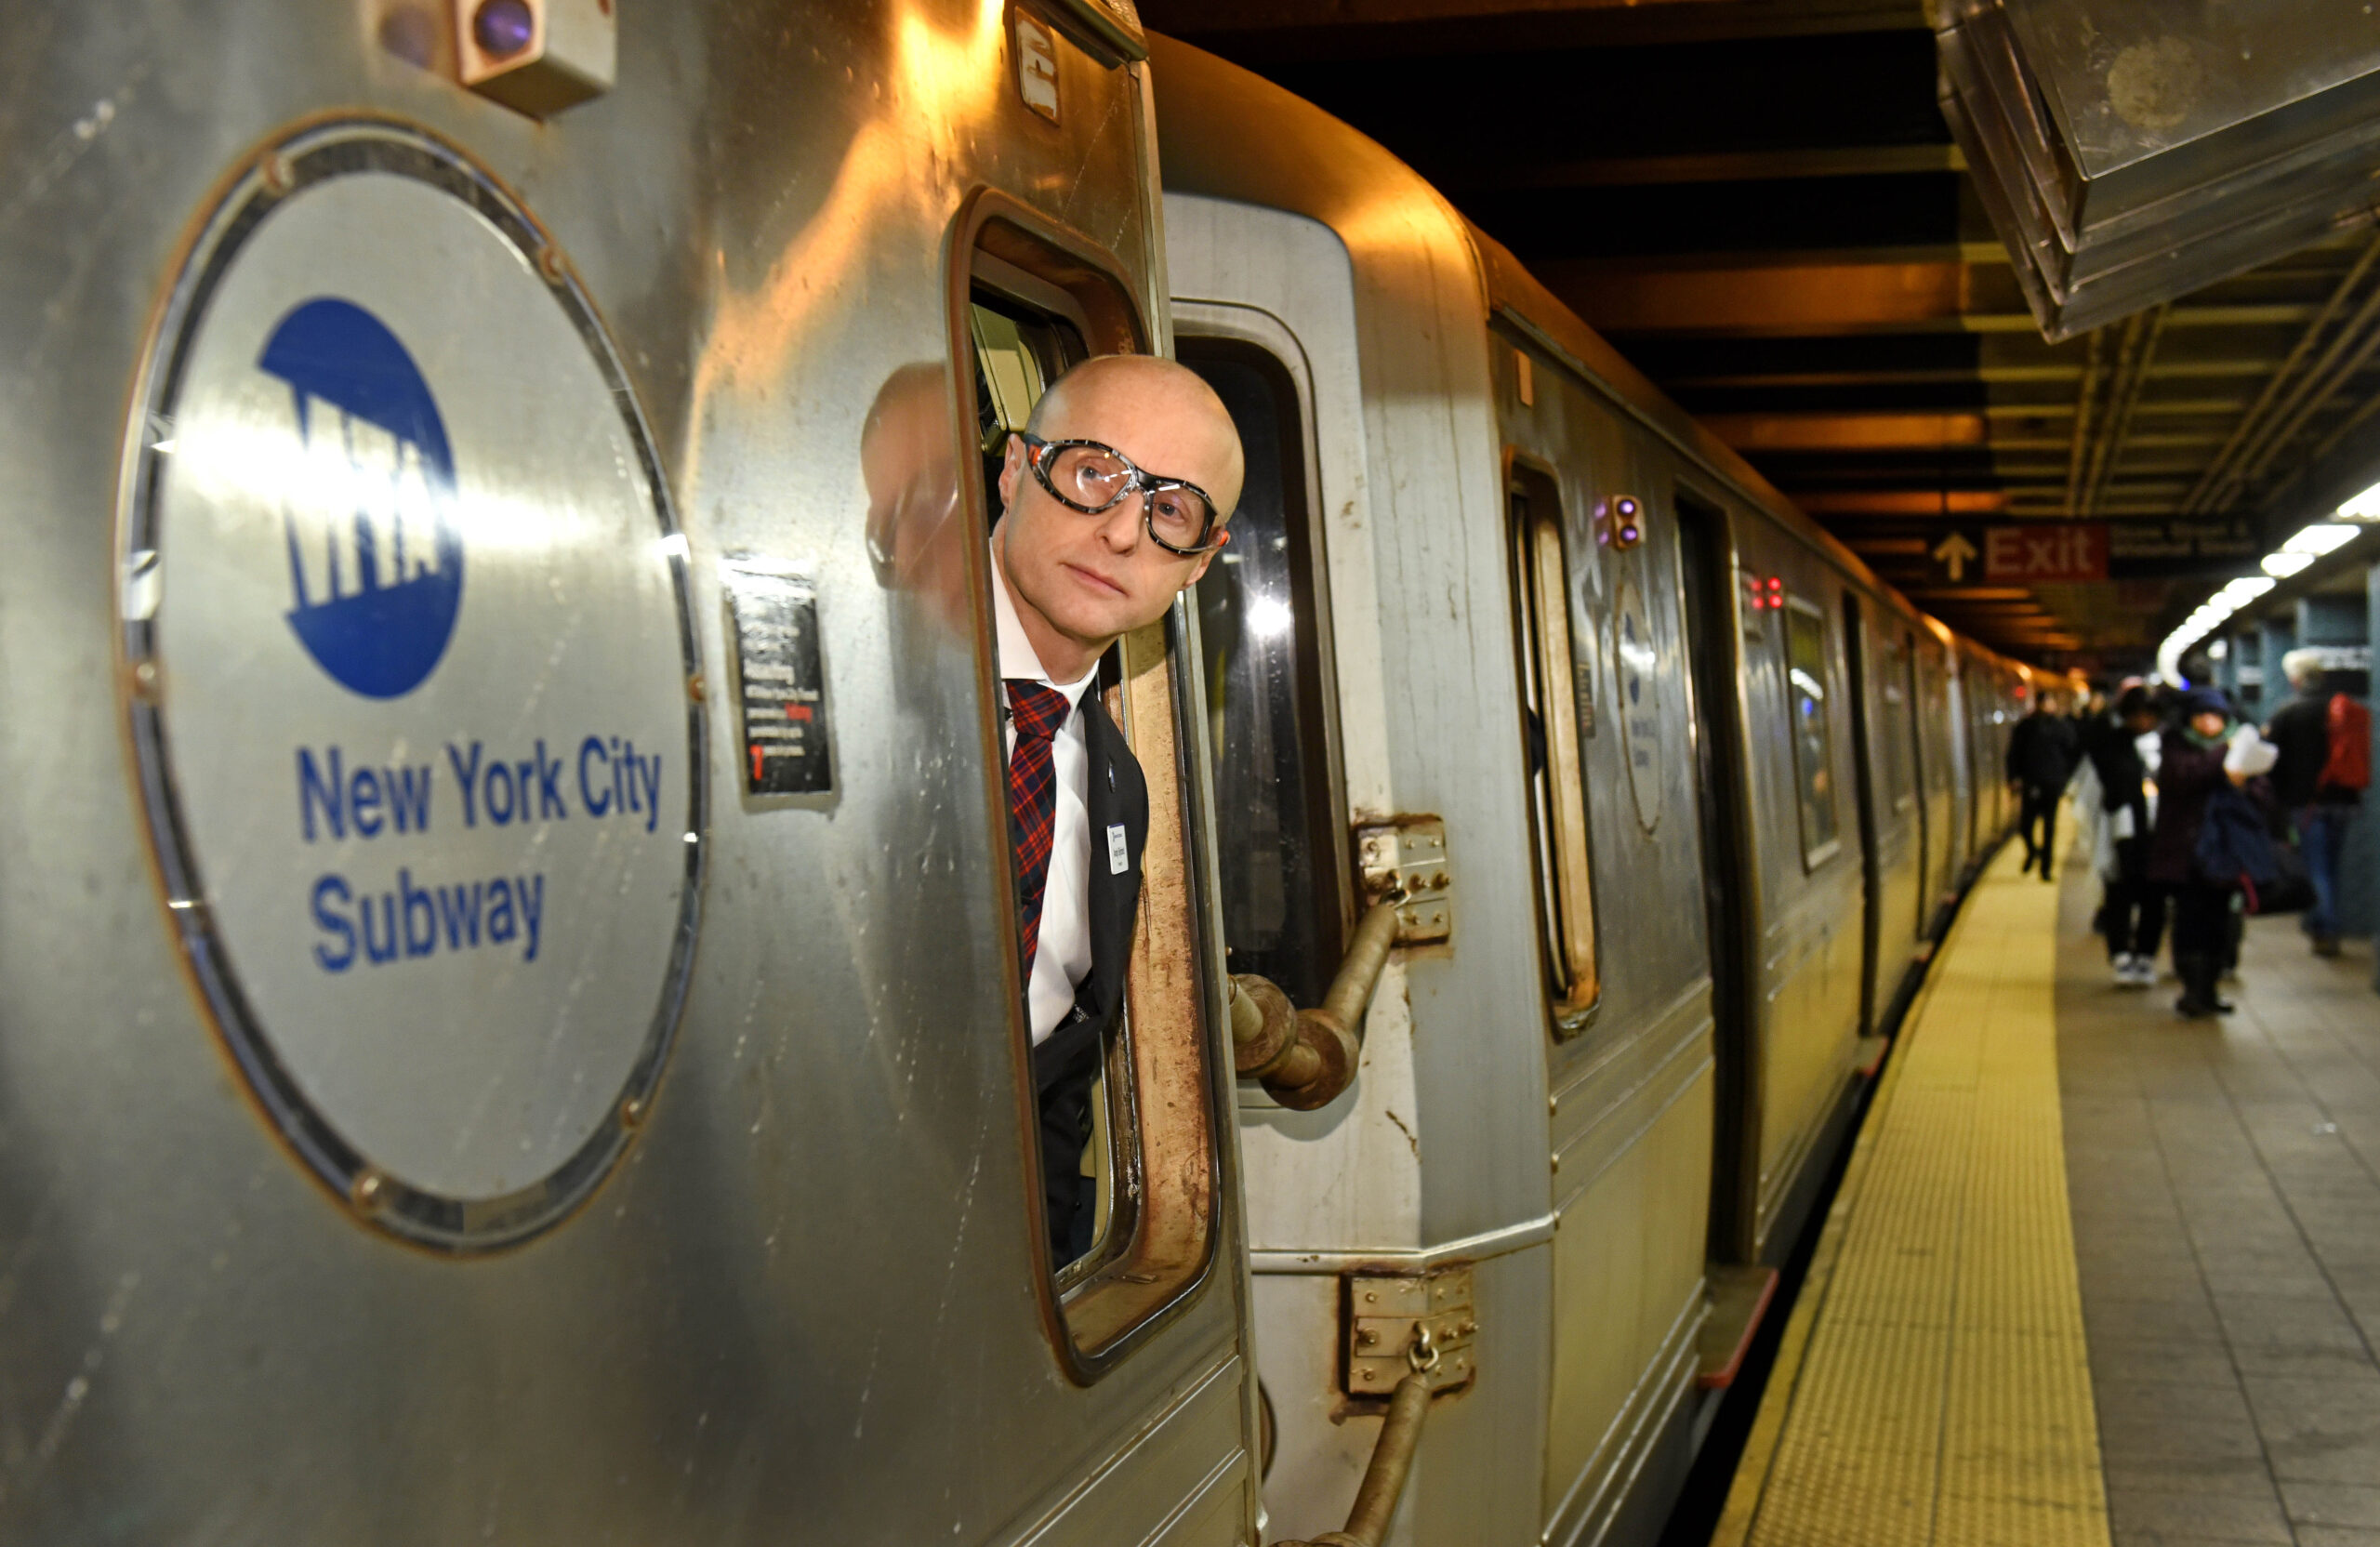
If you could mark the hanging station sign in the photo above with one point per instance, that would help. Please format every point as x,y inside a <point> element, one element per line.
<point>412,687</point>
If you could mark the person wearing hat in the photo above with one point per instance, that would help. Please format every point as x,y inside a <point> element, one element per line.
<point>2197,757</point>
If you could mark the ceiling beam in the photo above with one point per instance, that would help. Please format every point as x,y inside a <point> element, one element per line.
<point>1761,165</point>
<point>1332,29</point>
<point>2272,314</point>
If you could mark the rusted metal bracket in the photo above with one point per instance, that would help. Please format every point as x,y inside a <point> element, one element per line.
<point>1389,1315</point>
<point>1407,860</point>
<point>1409,1336</point>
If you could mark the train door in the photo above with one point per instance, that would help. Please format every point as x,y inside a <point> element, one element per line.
<point>1276,338</point>
<point>1729,886</point>
<point>1867,740</point>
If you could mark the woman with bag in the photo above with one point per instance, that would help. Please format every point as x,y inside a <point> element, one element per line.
<point>2206,837</point>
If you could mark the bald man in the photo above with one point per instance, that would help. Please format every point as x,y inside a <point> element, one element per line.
<point>1114,500</point>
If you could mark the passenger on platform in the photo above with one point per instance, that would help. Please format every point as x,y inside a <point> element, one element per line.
<point>1090,547</point>
<point>2132,914</point>
<point>2040,759</point>
<point>2318,783</point>
<point>2196,760</point>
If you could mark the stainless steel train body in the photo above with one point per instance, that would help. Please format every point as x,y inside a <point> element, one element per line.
<point>1705,790</point>
<point>678,392</point>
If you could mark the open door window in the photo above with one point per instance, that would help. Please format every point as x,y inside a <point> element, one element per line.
<point>1551,715</point>
<point>1028,302</point>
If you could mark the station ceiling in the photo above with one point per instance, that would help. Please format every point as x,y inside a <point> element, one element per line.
<point>1758,202</point>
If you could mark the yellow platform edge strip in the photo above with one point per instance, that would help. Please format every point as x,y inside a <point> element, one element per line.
<point>1931,1387</point>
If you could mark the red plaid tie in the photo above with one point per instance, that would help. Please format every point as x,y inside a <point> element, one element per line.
<point>1037,712</point>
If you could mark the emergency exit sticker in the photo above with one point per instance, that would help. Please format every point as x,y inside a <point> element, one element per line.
<point>775,607</point>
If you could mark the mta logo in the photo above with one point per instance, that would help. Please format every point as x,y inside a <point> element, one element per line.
<point>375,556</point>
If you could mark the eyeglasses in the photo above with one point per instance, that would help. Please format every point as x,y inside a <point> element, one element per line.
<point>1095,479</point>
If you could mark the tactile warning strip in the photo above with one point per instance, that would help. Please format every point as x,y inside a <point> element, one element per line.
<point>1932,1388</point>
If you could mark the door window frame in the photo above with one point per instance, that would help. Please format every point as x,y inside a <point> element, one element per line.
<point>1165,1106</point>
<point>1561,831</point>
<point>1814,855</point>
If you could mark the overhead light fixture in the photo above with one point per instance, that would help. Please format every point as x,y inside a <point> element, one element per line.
<point>2363,507</point>
<point>2287,563</point>
<point>2323,537</point>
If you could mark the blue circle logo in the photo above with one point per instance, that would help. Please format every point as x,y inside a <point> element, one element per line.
<point>376,557</point>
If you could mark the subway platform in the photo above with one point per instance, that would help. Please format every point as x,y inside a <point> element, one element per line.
<point>2096,1275</point>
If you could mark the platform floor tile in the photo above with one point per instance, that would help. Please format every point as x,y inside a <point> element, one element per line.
<point>1933,1388</point>
<point>2224,1186</point>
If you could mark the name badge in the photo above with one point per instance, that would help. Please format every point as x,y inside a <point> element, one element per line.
<point>1119,855</point>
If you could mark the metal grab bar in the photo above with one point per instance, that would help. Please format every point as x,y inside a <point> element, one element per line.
<point>1306,1057</point>
<point>1383,1485</point>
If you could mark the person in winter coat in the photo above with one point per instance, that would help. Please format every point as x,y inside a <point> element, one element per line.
<point>2191,769</point>
<point>2133,913</point>
<point>2040,759</point>
<point>2318,810</point>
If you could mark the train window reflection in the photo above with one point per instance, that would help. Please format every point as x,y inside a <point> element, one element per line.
<point>1550,731</point>
<point>1260,628</point>
<point>1813,737</point>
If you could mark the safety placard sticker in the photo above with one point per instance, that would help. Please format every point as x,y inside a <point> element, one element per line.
<point>781,687</point>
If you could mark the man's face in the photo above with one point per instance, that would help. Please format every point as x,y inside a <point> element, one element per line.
<point>1092,578</point>
<point>2210,724</point>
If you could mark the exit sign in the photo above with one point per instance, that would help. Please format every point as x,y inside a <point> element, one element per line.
<point>2045,552</point>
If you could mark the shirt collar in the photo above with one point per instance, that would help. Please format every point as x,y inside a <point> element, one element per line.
<point>1017,657</point>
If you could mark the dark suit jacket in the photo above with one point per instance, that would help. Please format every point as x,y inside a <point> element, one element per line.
<point>1064,1063</point>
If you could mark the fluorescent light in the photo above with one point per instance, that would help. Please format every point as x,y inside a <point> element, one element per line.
<point>2363,507</point>
<point>2246,588</point>
<point>2322,537</point>
<point>2219,649</point>
<point>2287,563</point>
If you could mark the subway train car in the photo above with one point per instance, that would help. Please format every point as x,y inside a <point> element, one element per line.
<point>1667,792</point>
<point>509,1018</point>
<point>438,1100</point>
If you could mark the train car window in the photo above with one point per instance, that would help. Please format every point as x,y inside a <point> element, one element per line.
<point>1550,731</point>
<point>1021,343</point>
<point>1283,900</point>
<point>1894,730</point>
<point>1813,723</point>
<point>1027,301</point>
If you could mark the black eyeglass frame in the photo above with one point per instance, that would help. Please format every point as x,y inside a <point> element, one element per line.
<point>1143,483</point>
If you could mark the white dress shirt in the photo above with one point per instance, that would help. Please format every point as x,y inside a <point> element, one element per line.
<point>1062,959</point>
